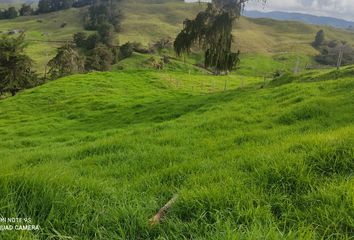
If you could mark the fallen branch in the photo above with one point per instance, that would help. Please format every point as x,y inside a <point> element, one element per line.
<point>162,212</point>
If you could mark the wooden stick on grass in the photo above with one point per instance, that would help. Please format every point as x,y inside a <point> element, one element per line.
<point>162,212</point>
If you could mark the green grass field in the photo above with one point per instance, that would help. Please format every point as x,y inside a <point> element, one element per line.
<point>95,156</point>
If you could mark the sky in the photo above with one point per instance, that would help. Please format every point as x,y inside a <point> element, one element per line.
<point>332,8</point>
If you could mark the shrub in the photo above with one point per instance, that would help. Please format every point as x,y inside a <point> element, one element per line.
<point>92,41</point>
<point>139,48</point>
<point>126,50</point>
<point>100,58</point>
<point>80,39</point>
<point>66,62</point>
<point>16,67</point>
<point>9,13</point>
<point>26,10</point>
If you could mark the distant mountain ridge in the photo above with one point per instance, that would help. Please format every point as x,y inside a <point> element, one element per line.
<point>306,18</point>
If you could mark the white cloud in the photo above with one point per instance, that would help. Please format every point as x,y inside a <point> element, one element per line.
<point>331,8</point>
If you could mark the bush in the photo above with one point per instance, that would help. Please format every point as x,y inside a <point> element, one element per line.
<point>16,67</point>
<point>126,50</point>
<point>106,33</point>
<point>330,52</point>
<point>46,6</point>
<point>100,58</point>
<point>157,64</point>
<point>139,48</point>
<point>103,13</point>
<point>319,39</point>
<point>163,43</point>
<point>80,39</point>
<point>67,61</point>
<point>26,10</point>
<point>92,41</point>
<point>9,13</point>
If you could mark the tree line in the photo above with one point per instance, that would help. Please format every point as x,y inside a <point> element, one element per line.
<point>9,13</point>
<point>47,6</point>
<point>97,51</point>
<point>84,55</point>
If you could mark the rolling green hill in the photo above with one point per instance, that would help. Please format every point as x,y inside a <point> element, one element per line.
<point>146,22</point>
<point>249,155</point>
<point>95,156</point>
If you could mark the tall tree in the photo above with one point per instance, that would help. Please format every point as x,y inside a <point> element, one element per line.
<point>106,33</point>
<point>11,13</point>
<point>319,39</point>
<point>102,12</point>
<point>26,10</point>
<point>211,30</point>
<point>80,39</point>
<point>15,67</point>
<point>82,3</point>
<point>100,58</point>
<point>66,62</point>
<point>45,6</point>
<point>92,41</point>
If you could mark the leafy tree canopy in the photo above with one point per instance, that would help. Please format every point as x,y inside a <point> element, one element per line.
<point>67,61</point>
<point>211,30</point>
<point>319,39</point>
<point>15,66</point>
<point>100,58</point>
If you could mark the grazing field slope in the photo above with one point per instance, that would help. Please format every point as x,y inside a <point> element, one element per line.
<point>95,156</point>
<point>249,155</point>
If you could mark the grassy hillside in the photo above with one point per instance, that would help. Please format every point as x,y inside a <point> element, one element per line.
<point>95,156</point>
<point>251,35</point>
<point>147,21</point>
<point>42,32</point>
